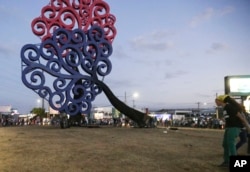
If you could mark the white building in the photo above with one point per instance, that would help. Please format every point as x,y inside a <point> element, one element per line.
<point>5,110</point>
<point>101,112</point>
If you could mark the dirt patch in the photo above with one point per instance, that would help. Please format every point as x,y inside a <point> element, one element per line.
<point>37,148</point>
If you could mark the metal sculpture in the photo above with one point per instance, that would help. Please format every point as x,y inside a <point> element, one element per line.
<point>67,67</point>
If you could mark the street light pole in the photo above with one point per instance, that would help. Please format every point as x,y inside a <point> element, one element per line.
<point>135,95</point>
<point>38,102</point>
<point>216,108</point>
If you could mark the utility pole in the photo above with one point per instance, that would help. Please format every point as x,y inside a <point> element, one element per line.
<point>217,110</point>
<point>125,97</point>
<point>43,103</point>
<point>198,103</point>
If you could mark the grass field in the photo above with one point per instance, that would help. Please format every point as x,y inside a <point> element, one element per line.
<point>107,149</point>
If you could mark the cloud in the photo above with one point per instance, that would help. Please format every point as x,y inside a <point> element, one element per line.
<point>157,63</point>
<point>3,9</point>
<point>8,16</point>
<point>161,34</point>
<point>226,10</point>
<point>155,41</point>
<point>217,46</point>
<point>208,14</point>
<point>7,12</point>
<point>119,52</point>
<point>5,50</point>
<point>204,95</point>
<point>176,74</point>
<point>3,13</point>
<point>10,48</point>
<point>204,16</point>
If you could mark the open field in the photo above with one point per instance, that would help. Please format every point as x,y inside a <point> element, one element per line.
<point>107,149</point>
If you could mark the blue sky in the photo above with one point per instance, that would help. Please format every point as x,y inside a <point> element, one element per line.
<point>173,53</point>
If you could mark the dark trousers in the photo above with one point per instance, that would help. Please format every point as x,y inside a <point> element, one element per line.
<point>243,138</point>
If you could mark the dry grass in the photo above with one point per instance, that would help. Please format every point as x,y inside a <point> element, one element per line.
<point>45,149</point>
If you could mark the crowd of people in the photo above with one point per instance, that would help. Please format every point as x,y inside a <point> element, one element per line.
<point>9,120</point>
<point>199,122</point>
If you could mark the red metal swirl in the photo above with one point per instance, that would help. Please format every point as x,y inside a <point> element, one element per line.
<point>72,14</point>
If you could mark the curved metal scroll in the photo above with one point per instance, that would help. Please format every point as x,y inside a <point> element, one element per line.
<point>70,15</point>
<point>61,69</point>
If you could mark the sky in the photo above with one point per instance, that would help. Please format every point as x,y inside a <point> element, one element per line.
<point>172,53</point>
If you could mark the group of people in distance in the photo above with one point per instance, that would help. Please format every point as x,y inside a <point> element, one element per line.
<point>236,125</point>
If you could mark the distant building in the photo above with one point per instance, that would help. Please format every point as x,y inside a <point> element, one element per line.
<point>5,110</point>
<point>53,111</point>
<point>9,111</point>
<point>101,112</point>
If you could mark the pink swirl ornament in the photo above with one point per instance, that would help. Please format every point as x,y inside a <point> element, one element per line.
<point>74,14</point>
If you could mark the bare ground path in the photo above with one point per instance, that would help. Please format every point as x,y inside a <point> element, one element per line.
<point>107,149</point>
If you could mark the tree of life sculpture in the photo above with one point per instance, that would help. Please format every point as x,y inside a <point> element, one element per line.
<point>67,67</point>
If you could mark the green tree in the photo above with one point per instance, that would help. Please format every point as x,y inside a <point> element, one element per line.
<point>39,111</point>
